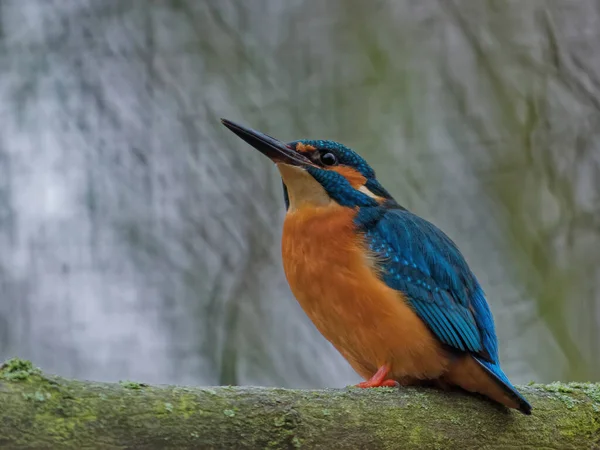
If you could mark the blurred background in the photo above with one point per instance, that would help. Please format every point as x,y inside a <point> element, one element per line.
<point>139,239</point>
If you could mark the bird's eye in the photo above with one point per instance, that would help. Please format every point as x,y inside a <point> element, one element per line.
<point>329,159</point>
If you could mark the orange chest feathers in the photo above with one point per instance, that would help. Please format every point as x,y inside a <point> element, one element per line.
<point>323,259</point>
<point>333,278</point>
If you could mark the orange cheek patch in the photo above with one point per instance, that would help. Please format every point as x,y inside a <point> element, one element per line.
<point>304,148</point>
<point>355,178</point>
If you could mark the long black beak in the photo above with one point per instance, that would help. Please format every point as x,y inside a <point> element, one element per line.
<point>275,150</point>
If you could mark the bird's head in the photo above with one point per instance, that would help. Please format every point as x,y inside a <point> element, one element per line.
<point>317,172</point>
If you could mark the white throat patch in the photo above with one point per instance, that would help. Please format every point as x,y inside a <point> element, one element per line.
<point>303,189</point>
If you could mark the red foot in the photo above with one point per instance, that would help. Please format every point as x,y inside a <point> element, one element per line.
<point>378,380</point>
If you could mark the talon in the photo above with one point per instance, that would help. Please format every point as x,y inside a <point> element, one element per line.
<point>379,379</point>
<point>384,383</point>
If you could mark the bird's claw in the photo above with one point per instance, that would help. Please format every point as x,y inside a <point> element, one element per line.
<point>384,383</point>
<point>379,379</point>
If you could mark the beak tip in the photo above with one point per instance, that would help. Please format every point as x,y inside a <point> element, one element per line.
<point>232,126</point>
<point>272,148</point>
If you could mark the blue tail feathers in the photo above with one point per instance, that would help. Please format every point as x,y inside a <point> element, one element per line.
<point>496,372</point>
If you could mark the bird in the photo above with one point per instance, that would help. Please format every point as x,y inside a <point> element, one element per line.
<point>387,288</point>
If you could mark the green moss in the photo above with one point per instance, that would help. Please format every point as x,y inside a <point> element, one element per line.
<point>557,386</point>
<point>567,392</point>
<point>16,369</point>
<point>68,413</point>
<point>415,435</point>
<point>571,426</point>
<point>568,401</point>
<point>592,390</point>
<point>37,396</point>
<point>134,385</point>
<point>183,407</point>
<point>186,406</point>
<point>279,421</point>
<point>60,413</point>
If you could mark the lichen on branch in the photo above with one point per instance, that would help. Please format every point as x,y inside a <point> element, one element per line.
<point>43,411</point>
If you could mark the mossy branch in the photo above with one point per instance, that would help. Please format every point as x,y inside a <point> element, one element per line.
<point>39,411</point>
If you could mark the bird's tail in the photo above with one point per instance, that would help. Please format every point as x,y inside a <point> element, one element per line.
<point>501,379</point>
<point>478,375</point>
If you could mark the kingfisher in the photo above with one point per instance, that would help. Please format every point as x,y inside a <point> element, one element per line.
<point>390,291</point>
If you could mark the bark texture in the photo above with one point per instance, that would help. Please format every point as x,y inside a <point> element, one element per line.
<point>39,411</point>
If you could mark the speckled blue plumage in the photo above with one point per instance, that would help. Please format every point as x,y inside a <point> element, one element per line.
<point>348,157</point>
<point>419,260</point>
<point>422,262</point>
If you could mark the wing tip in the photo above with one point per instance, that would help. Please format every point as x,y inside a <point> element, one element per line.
<point>521,404</point>
<point>524,407</point>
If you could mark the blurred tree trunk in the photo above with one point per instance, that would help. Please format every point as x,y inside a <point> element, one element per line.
<point>37,411</point>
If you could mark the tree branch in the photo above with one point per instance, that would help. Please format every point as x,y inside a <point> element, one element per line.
<point>40,411</point>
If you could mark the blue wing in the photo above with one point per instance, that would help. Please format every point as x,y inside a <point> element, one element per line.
<point>423,263</point>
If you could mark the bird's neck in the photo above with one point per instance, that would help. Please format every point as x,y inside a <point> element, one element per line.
<point>321,236</point>
<point>318,221</point>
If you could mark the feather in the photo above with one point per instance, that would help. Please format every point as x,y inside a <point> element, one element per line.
<point>430,271</point>
<point>419,260</point>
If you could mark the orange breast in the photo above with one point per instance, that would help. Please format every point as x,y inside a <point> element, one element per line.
<point>332,276</point>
